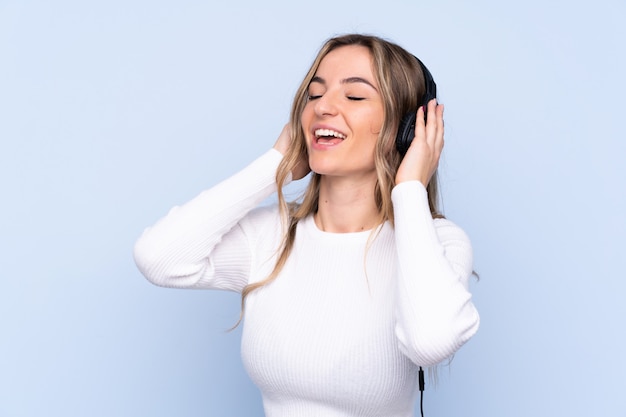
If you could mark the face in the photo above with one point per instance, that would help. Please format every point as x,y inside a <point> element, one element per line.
<point>344,114</point>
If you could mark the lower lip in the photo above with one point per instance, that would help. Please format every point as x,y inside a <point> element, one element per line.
<point>323,146</point>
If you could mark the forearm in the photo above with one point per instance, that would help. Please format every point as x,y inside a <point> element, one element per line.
<point>434,312</point>
<point>176,251</point>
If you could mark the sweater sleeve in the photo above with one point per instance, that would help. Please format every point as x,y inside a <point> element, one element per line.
<point>203,244</point>
<point>435,315</point>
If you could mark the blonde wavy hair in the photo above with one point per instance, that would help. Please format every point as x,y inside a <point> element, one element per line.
<point>401,87</point>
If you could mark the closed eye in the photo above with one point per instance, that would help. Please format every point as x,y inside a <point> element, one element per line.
<point>353,98</point>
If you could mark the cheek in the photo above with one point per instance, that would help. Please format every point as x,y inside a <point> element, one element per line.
<point>306,115</point>
<point>376,123</point>
<point>376,117</point>
<point>305,123</point>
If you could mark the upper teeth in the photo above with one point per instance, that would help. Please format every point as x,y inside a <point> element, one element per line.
<point>328,132</point>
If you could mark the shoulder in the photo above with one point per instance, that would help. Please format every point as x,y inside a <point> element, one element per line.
<point>262,219</point>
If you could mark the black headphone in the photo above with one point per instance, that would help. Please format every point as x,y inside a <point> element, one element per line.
<point>406,130</point>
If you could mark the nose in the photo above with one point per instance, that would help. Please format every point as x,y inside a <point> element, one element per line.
<point>326,105</point>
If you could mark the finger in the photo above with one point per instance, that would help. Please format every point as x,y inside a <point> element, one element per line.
<point>439,140</point>
<point>420,124</point>
<point>420,128</point>
<point>431,122</point>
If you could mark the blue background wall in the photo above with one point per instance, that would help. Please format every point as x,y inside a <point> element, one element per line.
<point>113,111</point>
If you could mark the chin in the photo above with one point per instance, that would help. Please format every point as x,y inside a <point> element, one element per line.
<point>322,170</point>
<point>323,166</point>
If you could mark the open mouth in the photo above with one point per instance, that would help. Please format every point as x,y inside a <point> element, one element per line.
<point>328,136</point>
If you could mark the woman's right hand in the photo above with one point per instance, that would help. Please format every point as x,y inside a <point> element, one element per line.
<point>282,145</point>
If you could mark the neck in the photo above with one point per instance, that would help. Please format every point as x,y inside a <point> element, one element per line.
<point>346,206</point>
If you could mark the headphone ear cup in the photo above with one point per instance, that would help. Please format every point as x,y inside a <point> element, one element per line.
<point>406,133</point>
<point>406,129</point>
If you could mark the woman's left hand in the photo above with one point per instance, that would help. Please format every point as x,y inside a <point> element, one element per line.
<point>422,157</point>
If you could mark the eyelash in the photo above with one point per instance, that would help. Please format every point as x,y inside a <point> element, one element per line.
<point>353,98</point>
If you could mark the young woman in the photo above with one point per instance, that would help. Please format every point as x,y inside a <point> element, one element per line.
<point>348,292</point>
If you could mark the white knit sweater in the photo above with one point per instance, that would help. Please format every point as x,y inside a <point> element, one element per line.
<point>343,328</point>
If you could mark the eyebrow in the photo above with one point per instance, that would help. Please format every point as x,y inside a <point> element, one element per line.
<point>349,80</point>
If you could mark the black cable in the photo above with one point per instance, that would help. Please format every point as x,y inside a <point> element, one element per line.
<point>421,386</point>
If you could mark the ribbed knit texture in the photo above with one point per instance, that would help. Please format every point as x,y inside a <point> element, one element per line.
<point>342,329</point>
